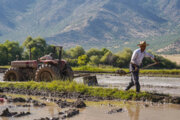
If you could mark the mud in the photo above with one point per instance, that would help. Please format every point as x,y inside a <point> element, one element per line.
<point>105,109</point>
<point>9,111</point>
<point>161,98</point>
<point>115,110</point>
<point>77,104</point>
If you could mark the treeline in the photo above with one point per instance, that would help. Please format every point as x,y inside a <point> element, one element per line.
<point>76,56</point>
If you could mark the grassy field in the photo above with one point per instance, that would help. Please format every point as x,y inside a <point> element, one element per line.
<point>174,58</point>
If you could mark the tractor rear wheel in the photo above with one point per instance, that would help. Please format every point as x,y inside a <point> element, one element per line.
<point>47,73</point>
<point>12,74</point>
<point>67,73</point>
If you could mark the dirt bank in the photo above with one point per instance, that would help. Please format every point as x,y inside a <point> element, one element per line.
<point>160,98</point>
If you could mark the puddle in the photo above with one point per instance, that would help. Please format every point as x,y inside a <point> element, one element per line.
<point>50,110</point>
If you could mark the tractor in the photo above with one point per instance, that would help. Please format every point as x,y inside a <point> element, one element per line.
<point>39,70</point>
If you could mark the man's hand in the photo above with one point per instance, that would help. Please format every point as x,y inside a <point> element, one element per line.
<point>136,68</point>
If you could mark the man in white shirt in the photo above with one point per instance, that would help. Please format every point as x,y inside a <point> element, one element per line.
<point>135,63</point>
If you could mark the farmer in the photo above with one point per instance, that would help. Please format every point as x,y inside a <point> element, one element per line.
<point>47,57</point>
<point>135,63</point>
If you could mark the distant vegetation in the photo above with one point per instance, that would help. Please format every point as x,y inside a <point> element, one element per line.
<point>77,56</point>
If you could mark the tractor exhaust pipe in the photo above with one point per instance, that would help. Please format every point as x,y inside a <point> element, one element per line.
<point>60,53</point>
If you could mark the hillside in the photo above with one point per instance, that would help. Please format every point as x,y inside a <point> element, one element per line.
<point>173,48</point>
<point>174,58</point>
<point>113,24</point>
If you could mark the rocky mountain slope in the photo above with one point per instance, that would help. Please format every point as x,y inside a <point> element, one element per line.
<point>113,24</point>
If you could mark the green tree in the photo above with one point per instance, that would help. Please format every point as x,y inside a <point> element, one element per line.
<point>3,55</point>
<point>72,62</point>
<point>108,58</point>
<point>163,63</point>
<point>95,60</point>
<point>105,50</point>
<point>75,52</point>
<point>82,60</point>
<point>13,49</point>
<point>123,58</point>
<point>37,46</point>
<point>94,52</point>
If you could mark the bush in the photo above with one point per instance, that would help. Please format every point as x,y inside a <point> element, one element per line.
<point>72,62</point>
<point>82,60</point>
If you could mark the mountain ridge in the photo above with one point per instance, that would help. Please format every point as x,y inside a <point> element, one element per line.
<point>114,24</point>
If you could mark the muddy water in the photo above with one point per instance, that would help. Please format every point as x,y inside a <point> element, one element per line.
<point>131,111</point>
<point>167,85</point>
<point>99,111</point>
<point>51,110</point>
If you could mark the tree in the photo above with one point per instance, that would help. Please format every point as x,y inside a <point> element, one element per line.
<point>3,55</point>
<point>76,52</point>
<point>72,62</point>
<point>82,60</point>
<point>94,60</point>
<point>123,58</point>
<point>13,49</point>
<point>105,50</point>
<point>108,58</point>
<point>94,52</point>
<point>37,46</point>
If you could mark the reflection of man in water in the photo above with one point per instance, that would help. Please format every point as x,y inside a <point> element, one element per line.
<point>133,114</point>
<point>47,57</point>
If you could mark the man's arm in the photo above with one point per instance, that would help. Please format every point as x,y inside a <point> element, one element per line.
<point>152,57</point>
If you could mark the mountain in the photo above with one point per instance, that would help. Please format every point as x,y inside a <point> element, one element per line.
<point>114,24</point>
<point>173,48</point>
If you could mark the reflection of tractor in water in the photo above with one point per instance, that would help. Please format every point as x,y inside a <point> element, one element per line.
<point>39,70</point>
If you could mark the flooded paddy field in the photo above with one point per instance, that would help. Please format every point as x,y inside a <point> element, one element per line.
<point>166,85</point>
<point>102,110</point>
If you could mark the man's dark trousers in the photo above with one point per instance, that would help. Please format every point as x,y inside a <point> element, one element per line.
<point>134,78</point>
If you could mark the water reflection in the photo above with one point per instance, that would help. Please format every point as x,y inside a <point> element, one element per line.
<point>133,112</point>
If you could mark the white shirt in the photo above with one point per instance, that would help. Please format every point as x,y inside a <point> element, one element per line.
<point>138,56</point>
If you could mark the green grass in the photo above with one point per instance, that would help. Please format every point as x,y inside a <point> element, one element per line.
<point>5,66</point>
<point>96,68</point>
<point>113,69</point>
<point>66,86</point>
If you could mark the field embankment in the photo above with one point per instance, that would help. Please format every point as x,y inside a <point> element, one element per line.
<point>68,89</point>
<point>112,70</point>
<point>147,72</point>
